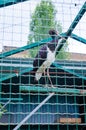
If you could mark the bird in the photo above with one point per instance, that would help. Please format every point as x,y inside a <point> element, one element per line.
<point>46,55</point>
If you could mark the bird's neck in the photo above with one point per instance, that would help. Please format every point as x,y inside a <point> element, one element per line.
<point>52,46</point>
<point>54,40</point>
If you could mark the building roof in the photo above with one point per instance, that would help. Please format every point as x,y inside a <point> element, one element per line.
<point>25,54</point>
<point>77,56</point>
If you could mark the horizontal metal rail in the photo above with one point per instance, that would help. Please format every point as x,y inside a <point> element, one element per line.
<point>49,89</point>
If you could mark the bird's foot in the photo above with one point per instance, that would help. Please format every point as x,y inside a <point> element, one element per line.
<point>52,86</point>
<point>46,86</point>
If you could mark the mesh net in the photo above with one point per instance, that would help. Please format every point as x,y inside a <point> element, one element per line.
<point>26,105</point>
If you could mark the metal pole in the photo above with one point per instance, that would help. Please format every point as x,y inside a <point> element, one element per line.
<point>76,20</point>
<point>28,116</point>
<point>78,38</point>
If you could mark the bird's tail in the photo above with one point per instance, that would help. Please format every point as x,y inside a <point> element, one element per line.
<point>39,72</point>
<point>38,75</point>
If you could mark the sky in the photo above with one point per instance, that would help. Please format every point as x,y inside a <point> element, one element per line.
<point>15,22</point>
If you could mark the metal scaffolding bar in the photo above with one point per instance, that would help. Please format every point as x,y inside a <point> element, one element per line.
<point>14,74</point>
<point>31,113</point>
<point>80,39</point>
<point>4,3</point>
<point>69,71</point>
<point>68,33</point>
<point>49,89</point>
<point>76,20</point>
<point>20,49</point>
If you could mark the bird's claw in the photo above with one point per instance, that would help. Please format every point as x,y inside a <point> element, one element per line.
<point>52,86</point>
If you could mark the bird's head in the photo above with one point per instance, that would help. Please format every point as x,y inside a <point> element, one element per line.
<point>53,33</point>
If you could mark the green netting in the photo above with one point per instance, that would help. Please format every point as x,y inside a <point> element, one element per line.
<point>28,106</point>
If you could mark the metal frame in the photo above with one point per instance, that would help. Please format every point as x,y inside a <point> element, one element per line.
<point>32,45</point>
<point>67,34</point>
<point>5,3</point>
<point>49,89</point>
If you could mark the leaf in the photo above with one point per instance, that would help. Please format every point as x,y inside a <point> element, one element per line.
<point>43,19</point>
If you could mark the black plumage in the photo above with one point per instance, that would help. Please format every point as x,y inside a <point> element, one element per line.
<point>46,55</point>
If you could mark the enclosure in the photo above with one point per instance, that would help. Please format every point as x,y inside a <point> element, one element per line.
<point>57,100</point>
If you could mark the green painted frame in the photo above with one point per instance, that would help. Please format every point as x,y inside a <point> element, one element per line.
<point>67,34</point>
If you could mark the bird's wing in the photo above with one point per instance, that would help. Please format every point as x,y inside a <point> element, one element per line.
<point>40,57</point>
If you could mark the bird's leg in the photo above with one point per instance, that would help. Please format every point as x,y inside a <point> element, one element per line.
<point>49,77</point>
<point>45,78</point>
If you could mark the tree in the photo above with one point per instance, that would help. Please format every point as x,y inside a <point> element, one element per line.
<point>64,54</point>
<point>43,19</point>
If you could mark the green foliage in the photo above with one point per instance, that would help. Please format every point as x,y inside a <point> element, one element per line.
<point>2,110</point>
<point>63,54</point>
<point>43,19</point>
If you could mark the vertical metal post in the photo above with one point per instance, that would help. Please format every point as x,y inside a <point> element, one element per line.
<point>28,116</point>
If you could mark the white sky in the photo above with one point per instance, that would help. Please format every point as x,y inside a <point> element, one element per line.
<point>15,19</point>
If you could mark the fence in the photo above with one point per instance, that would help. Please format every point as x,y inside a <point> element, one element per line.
<point>27,105</point>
